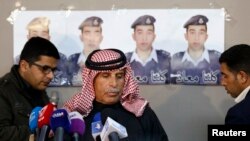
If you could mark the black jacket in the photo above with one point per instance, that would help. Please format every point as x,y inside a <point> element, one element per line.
<point>17,99</point>
<point>239,113</point>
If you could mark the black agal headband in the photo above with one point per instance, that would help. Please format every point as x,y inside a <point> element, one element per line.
<point>105,59</point>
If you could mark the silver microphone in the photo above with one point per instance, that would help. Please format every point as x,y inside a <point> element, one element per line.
<point>54,97</point>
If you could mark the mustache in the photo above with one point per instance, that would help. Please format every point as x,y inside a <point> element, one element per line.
<point>113,90</point>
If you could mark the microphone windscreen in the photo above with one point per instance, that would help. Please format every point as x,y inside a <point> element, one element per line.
<point>77,126</point>
<point>45,114</point>
<point>97,117</point>
<point>113,126</point>
<point>96,126</point>
<point>75,115</point>
<point>128,120</point>
<point>60,118</point>
<point>33,119</point>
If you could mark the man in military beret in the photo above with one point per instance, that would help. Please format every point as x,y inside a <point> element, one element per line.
<point>39,27</point>
<point>150,66</point>
<point>196,65</point>
<point>91,37</point>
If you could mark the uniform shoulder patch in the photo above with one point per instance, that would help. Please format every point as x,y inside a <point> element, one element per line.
<point>162,52</point>
<point>214,52</point>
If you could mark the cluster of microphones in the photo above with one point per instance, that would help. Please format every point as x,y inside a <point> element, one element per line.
<point>44,120</point>
<point>111,130</point>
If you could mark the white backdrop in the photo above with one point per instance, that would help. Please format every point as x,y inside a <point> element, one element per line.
<point>117,30</point>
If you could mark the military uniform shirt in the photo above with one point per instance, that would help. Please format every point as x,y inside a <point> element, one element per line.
<point>155,71</point>
<point>61,76</point>
<point>76,61</point>
<point>204,71</point>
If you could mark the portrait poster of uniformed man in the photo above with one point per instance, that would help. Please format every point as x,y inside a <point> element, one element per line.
<point>150,38</point>
<point>150,65</point>
<point>197,64</point>
<point>64,31</point>
<point>39,26</point>
<point>90,32</point>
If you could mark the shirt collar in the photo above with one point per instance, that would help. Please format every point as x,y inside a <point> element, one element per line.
<point>242,95</point>
<point>81,59</point>
<point>204,55</point>
<point>152,56</point>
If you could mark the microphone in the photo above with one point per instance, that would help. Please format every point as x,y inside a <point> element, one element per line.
<point>59,123</point>
<point>74,115</point>
<point>44,121</point>
<point>113,136</point>
<point>54,97</point>
<point>77,126</point>
<point>113,131</point>
<point>96,127</point>
<point>33,121</point>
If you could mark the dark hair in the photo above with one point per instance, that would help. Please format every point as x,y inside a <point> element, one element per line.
<point>237,58</point>
<point>35,47</point>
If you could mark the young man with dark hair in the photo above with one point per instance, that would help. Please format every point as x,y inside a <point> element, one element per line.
<point>235,71</point>
<point>23,88</point>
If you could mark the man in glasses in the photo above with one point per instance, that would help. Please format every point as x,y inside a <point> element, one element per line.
<point>23,88</point>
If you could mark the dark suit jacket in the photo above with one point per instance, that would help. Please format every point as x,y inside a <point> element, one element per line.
<point>239,113</point>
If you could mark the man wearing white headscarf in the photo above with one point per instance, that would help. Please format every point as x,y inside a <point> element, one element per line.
<point>108,85</point>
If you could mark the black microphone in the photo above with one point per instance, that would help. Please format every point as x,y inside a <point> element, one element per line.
<point>113,136</point>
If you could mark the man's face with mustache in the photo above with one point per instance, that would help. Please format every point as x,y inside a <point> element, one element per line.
<point>108,86</point>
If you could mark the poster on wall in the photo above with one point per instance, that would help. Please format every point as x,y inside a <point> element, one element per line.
<point>163,46</point>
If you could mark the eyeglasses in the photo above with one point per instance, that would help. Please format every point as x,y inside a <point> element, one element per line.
<point>45,69</point>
